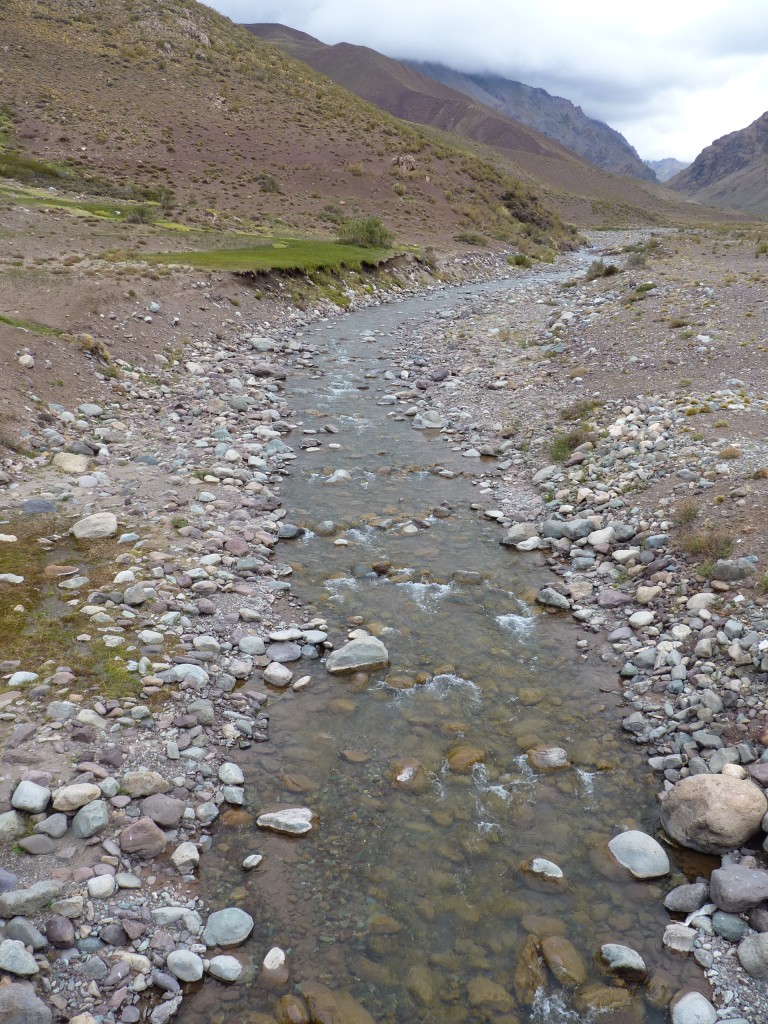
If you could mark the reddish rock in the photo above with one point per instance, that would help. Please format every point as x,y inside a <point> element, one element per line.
<point>143,839</point>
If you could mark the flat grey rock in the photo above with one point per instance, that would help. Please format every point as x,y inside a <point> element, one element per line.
<point>362,655</point>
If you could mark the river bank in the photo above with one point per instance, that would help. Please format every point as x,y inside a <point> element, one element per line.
<point>208,518</point>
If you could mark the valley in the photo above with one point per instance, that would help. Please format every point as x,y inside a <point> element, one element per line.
<point>383,563</point>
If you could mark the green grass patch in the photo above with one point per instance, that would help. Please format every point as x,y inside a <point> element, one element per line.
<point>708,544</point>
<point>44,635</point>
<point>564,444</point>
<point>109,209</point>
<point>280,254</point>
<point>29,325</point>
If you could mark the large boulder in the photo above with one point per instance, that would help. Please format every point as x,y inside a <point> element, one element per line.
<point>143,838</point>
<point>735,888</point>
<point>713,813</point>
<point>20,1005</point>
<point>100,524</point>
<point>362,655</point>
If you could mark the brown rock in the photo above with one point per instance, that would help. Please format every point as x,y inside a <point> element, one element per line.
<point>483,992</point>
<point>596,998</point>
<point>461,759</point>
<point>163,810</point>
<point>138,784</point>
<point>564,961</point>
<point>293,1010</point>
<point>713,813</point>
<point>407,773</point>
<point>142,838</point>
<point>529,974</point>
<point>420,984</point>
<point>327,1007</point>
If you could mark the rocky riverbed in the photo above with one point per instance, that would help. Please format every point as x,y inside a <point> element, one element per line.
<point>148,529</point>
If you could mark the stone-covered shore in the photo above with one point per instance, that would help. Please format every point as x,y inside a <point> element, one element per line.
<point>114,798</point>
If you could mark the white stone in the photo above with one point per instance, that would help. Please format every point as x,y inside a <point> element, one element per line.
<point>294,821</point>
<point>100,524</point>
<point>101,887</point>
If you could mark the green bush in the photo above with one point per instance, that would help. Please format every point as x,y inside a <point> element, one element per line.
<point>519,259</point>
<point>366,231</point>
<point>471,238</point>
<point>142,213</point>
<point>564,444</point>
<point>598,268</point>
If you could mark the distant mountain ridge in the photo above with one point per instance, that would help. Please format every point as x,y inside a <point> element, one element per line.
<point>732,172</point>
<point>667,168</point>
<point>553,116</point>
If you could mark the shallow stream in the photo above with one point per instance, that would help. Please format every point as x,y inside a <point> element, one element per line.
<point>406,898</point>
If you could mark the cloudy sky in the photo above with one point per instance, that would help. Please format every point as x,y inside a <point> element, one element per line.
<point>671,75</point>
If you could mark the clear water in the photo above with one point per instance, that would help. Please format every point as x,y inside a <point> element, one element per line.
<point>394,885</point>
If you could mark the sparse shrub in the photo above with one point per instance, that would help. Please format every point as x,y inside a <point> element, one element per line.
<point>687,513</point>
<point>579,410</point>
<point>564,444</point>
<point>678,321</point>
<point>470,238</point>
<point>731,452</point>
<point>142,213</point>
<point>761,474</point>
<point>267,183</point>
<point>709,544</point>
<point>368,232</point>
<point>598,268</point>
<point>519,259</point>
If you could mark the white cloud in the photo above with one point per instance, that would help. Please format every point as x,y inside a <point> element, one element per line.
<point>671,75</point>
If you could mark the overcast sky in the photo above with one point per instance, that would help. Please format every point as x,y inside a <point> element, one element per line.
<point>671,75</point>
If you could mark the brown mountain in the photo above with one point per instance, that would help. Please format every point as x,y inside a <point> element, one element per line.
<point>732,172</point>
<point>581,192</point>
<point>170,98</point>
<point>553,116</point>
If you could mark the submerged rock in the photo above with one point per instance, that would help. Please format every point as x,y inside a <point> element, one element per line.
<point>364,654</point>
<point>292,821</point>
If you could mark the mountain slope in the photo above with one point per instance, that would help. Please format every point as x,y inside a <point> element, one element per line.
<point>581,192</point>
<point>170,97</point>
<point>553,116</point>
<point>666,168</point>
<point>732,172</point>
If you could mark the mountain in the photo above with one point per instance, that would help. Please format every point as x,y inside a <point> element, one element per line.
<point>732,172</point>
<point>169,98</point>
<point>666,168</point>
<point>553,116</point>
<point>580,191</point>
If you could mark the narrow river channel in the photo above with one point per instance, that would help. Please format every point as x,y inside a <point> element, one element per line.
<point>413,899</point>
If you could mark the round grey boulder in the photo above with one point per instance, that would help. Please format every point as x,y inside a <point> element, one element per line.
<point>229,927</point>
<point>20,1005</point>
<point>753,955</point>
<point>16,960</point>
<point>91,819</point>
<point>735,888</point>
<point>640,854</point>
<point>30,797</point>
<point>225,968</point>
<point>185,965</point>
<point>713,813</point>
<point>692,1008</point>
<point>623,961</point>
